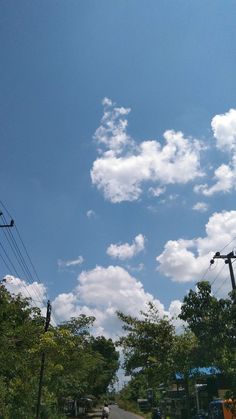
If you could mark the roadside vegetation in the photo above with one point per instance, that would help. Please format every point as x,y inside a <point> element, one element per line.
<point>77,364</point>
<point>155,353</point>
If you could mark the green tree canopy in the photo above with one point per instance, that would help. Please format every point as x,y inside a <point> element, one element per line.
<point>77,363</point>
<point>148,345</point>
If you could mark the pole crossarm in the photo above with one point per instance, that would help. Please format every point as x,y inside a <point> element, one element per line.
<point>6,225</point>
<point>227,258</point>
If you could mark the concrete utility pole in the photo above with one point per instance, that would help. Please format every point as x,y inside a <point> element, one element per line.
<point>47,322</point>
<point>228,261</point>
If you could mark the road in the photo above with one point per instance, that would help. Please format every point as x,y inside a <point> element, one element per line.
<point>117,413</point>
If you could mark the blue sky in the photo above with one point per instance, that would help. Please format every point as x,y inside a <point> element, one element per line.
<point>118,138</point>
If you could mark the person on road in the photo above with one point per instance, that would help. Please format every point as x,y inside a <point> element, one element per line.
<point>105,411</point>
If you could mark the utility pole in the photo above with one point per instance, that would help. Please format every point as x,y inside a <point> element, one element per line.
<point>228,261</point>
<point>46,326</point>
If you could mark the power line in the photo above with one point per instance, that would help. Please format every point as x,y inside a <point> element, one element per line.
<point>21,240</point>
<point>217,276</point>
<point>18,252</point>
<point>13,246</point>
<point>5,263</point>
<point>218,289</point>
<point>9,260</point>
<point>23,263</point>
<point>223,248</point>
<point>21,260</point>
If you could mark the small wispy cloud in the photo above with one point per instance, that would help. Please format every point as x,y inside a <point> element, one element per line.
<point>138,268</point>
<point>157,191</point>
<point>90,213</point>
<point>200,206</point>
<point>62,264</point>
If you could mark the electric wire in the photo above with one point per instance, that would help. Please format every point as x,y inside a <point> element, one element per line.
<point>21,240</point>
<point>217,276</point>
<point>22,262</point>
<point>22,243</point>
<point>15,252</point>
<point>5,263</point>
<point>9,260</point>
<point>204,275</point>
<point>218,289</point>
<point>14,269</point>
<point>19,258</point>
<point>231,241</point>
<point>17,249</point>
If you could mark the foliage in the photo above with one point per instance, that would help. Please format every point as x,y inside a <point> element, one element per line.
<point>154,353</point>
<point>213,323</point>
<point>76,363</point>
<point>147,345</point>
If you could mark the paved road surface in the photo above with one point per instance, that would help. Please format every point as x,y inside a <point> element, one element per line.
<point>117,413</point>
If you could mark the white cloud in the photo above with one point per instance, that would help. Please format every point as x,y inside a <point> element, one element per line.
<point>187,260</point>
<point>174,311</point>
<point>225,181</point>
<point>125,167</point>
<point>127,251</point>
<point>157,191</point>
<point>36,291</point>
<point>224,130</point>
<point>70,263</point>
<point>101,292</point>
<point>138,268</point>
<point>112,131</point>
<point>200,206</point>
<point>90,213</point>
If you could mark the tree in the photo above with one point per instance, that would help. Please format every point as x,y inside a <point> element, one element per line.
<point>109,363</point>
<point>20,329</point>
<point>213,323</point>
<point>148,345</point>
<point>73,360</point>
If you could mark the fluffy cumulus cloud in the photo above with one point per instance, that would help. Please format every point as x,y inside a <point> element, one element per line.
<point>35,291</point>
<point>187,260</point>
<point>225,181</point>
<point>127,251</point>
<point>224,131</point>
<point>101,292</point>
<point>125,167</point>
